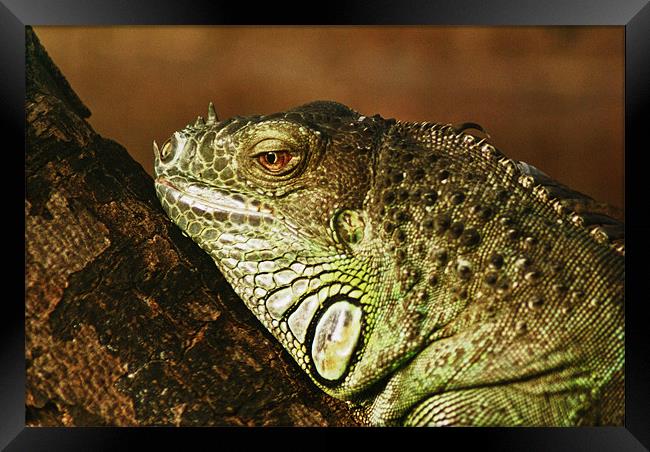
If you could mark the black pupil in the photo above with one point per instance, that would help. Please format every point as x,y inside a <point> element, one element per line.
<point>271,157</point>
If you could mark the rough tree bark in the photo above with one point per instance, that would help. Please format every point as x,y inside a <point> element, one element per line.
<point>128,322</point>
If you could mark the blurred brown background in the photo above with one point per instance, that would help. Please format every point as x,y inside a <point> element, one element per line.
<point>551,96</point>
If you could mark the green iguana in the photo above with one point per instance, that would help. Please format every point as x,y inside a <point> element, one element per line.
<point>409,268</point>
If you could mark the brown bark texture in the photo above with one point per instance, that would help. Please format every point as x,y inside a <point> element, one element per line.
<point>128,322</point>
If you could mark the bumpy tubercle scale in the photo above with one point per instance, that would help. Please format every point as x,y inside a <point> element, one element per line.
<point>410,268</point>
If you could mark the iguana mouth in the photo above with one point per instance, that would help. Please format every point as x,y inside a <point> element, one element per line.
<point>207,199</point>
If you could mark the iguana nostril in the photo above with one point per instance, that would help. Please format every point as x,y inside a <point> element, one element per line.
<point>177,143</point>
<point>167,151</point>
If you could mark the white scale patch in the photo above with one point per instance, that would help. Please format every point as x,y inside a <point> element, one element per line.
<point>300,319</point>
<point>284,277</point>
<point>278,303</point>
<point>265,281</point>
<point>335,339</point>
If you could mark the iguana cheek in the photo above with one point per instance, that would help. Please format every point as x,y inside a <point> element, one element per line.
<point>335,339</point>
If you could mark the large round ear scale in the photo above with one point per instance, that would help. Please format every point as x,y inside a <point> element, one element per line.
<point>212,115</point>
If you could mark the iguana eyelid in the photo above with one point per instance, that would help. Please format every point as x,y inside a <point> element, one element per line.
<point>284,131</point>
<point>276,146</point>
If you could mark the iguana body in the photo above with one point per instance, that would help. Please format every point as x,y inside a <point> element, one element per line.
<point>409,268</point>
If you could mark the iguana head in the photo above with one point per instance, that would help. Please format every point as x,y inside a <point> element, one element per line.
<point>278,202</point>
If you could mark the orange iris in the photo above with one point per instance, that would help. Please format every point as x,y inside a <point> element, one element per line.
<point>275,160</point>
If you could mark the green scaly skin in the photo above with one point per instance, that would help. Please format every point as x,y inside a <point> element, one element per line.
<point>409,268</point>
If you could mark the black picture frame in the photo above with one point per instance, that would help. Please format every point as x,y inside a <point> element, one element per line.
<point>634,15</point>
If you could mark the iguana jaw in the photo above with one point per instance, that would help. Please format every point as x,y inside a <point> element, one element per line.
<point>207,199</point>
<point>298,302</point>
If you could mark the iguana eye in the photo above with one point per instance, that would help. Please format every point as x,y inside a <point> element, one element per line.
<point>275,161</point>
